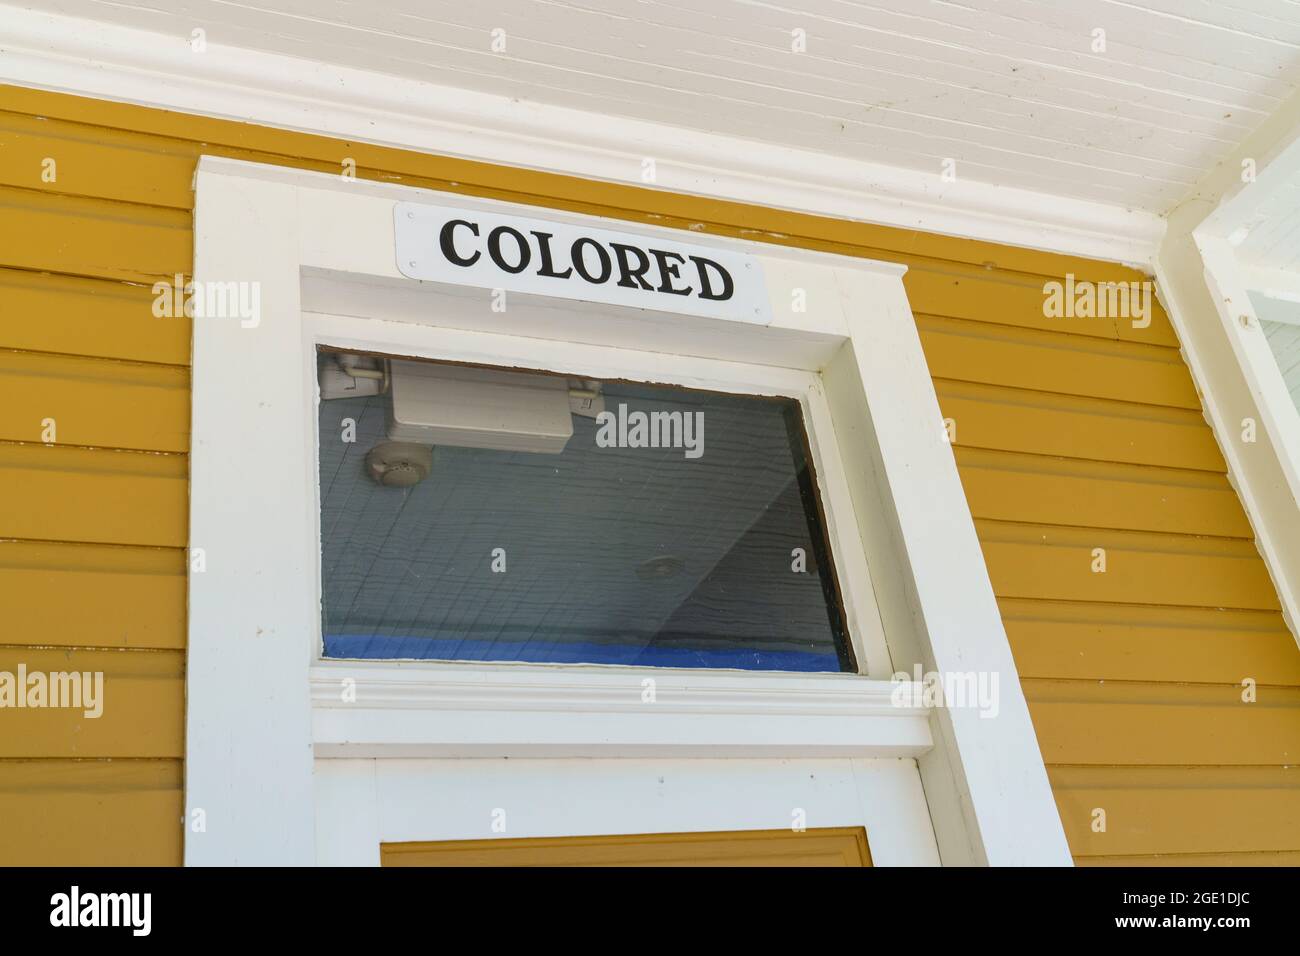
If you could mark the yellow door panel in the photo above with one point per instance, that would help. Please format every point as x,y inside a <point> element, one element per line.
<point>832,846</point>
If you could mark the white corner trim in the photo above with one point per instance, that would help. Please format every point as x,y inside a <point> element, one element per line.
<point>1279,417</point>
<point>1205,270</point>
<point>85,57</point>
<point>1198,277</point>
<point>549,711</point>
<point>1269,390</point>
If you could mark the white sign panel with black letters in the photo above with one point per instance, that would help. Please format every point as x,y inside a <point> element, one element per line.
<point>518,254</point>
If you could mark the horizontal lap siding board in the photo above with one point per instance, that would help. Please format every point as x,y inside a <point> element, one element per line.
<point>92,595</point>
<point>91,812</point>
<point>1071,434</point>
<point>94,403</point>
<point>88,317</point>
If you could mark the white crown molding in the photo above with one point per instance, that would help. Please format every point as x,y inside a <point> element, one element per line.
<point>85,57</point>
<point>456,710</point>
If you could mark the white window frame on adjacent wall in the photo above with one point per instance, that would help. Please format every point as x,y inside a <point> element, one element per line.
<point>1230,284</point>
<point>264,710</point>
<point>1236,372</point>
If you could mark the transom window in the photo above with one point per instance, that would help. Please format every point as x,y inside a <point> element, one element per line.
<point>485,514</point>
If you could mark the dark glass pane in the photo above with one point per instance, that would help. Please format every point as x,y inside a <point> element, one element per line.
<point>682,556</point>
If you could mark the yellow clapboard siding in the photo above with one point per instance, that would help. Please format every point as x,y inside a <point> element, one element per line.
<point>1005,486</point>
<point>101,496</point>
<point>85,595</point>
<point>1115,723</point>
<point>40,312</point>
<point>827,846</point>
<point>1009,419</point>
<point>981,352</point>
<point>1061,639</point>
<point>143,705</point>
<point>1056,564</point>
<point>105,164</point>
<point>967,292</point>
<point>93,237</point>
<point>1179,809</point>
<point>91,812</point>
<point>1194,859</point>
<point>96,402</point>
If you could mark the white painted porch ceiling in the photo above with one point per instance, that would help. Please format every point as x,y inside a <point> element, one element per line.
<point>1010,89</point>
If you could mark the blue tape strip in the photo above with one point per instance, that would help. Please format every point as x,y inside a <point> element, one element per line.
<point>380,647</point>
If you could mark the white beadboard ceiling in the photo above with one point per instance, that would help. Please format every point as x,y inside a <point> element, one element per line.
<point>1009,89</point>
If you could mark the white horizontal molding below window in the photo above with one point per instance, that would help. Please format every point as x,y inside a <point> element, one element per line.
<point>548,711</point>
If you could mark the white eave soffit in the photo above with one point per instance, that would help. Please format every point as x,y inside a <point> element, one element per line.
<point>95,59</point>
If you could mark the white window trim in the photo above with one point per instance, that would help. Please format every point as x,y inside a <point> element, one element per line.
<point>417,341</point>
<point>255,711</point>
<point>454,709</point>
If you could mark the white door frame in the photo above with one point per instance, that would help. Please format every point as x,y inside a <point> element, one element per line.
<point>254,733</point>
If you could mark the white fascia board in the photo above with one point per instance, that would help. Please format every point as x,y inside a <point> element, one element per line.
<point>89,58</point>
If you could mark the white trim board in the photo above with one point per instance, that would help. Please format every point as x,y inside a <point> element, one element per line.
<point>81,56</point>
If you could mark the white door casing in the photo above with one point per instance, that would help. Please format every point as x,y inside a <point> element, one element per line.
<point>278,766</point>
